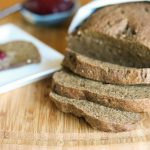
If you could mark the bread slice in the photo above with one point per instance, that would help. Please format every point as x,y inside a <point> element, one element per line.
<point>129,98</point>
<point>104,71</point>
<point>18,53</point>
<point>98,116</point>
<point>118,35</point>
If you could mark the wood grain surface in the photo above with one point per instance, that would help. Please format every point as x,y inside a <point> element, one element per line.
<point>29,120</point>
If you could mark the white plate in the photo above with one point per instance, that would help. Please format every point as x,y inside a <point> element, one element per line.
<point>14,78</point>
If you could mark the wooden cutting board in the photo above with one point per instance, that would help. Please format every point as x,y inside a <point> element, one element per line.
<point>27,116</point>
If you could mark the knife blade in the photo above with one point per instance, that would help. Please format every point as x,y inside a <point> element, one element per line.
<point>10,10</point>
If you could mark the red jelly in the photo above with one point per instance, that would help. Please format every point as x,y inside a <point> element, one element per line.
<point>2,55</point>
<point>44,7</point>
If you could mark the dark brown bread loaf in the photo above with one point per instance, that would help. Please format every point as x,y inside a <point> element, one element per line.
<point>104,71</point>
<point>18,53</point>
<point>99,117</point>
<point>118,34</point>
<point>129,98</point>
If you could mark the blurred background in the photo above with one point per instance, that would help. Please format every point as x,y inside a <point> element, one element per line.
<point>51,32</point>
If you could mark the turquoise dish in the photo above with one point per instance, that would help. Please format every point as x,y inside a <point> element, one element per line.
<point>50,19</point>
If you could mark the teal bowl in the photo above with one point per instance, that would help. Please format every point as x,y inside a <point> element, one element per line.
<point>50,19</point>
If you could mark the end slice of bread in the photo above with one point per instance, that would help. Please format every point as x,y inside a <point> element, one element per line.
<point>98,116</point>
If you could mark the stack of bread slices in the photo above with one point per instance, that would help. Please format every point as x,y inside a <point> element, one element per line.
<point>106,72</point>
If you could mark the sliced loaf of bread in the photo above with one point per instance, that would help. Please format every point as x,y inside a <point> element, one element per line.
<point>104,71</point>
<point>118,35</point>
<point>129,98</point>
<point>98,116</point>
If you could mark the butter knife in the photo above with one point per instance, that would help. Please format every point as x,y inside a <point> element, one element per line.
<point>10,10</point>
